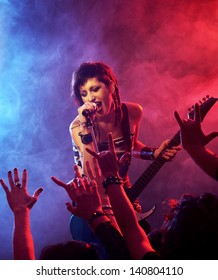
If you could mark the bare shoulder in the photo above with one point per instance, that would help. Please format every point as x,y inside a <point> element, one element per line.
<point>74,126</point>
<point>135,110</point>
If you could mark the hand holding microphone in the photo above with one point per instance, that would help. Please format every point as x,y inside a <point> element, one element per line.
<point>86,115</point>
<point>89,112</point>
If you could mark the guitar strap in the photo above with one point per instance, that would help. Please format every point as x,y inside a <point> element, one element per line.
<point>126,129</point>
<point>128,141</point>
<point>126,137</point>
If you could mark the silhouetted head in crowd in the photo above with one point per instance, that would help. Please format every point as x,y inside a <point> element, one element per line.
<point>191,231</point>
<point>72,250</point>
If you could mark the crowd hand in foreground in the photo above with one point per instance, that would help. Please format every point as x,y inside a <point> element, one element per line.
<point>191,132</point>
<point>108,161</point>
<point>136,238</point>
<point>17,196</point>
<point>194,141</point>
<point>83,193</point>
<point>20,202</point>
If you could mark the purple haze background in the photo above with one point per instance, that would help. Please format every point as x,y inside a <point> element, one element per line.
<point>165,56</point>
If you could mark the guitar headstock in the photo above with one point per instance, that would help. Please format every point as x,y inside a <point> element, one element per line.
<point>205,105</point>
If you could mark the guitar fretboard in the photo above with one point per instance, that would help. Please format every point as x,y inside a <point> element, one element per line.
<point>151,171</point>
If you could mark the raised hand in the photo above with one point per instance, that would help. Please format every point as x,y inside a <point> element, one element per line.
<point>87,198</point>
<point>77,188</point>
<point>107,160</point>
<point>191,132</point>
<point>17,196</point>
<point>67,186</point>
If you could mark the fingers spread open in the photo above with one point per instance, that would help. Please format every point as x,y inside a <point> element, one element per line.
<point>86,184</point>
<point>89,170</point>
<point>16,176</point>
<point>5,187</point>
<point>111,146</point>
<point>210,137</point>
<point>77,172</point>
<point>80,184</point>
<point>10,180</point>
<point>176,114</point>
<point>96,168</point>
<point>124,159</point>
<point>94,186</point>
<point>70,207</point>
<point>94,154</point>
<point>58,182</point>
<point>197,116</point>
<point>37,193</point>
<point>24,179</point>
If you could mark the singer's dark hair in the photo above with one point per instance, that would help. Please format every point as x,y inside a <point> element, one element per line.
<point>103,73</point>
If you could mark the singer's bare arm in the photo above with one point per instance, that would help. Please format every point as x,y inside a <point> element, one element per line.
<point>76,128</point>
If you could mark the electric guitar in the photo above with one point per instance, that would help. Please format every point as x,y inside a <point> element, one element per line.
<point>142,182</point>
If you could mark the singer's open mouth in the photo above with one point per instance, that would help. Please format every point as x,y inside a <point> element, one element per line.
<point>99,105</point>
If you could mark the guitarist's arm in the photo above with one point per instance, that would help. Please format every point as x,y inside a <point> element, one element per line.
<point>194,140</point>
<point>141,150</point>
<point>148,153</point>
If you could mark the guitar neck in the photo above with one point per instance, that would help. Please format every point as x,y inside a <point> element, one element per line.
<point>151,171</point>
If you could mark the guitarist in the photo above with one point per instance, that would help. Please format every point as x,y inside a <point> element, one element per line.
<point>95,89</point>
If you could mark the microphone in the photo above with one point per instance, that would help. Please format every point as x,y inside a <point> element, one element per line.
<point>88,112</point>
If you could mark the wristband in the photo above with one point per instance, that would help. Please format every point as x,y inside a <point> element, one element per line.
<point>108,210</point>
<point>85,138</point>
<point>111,180</point>
<point>147,153</point>
<point>96,215</point>
<point>105,207</point>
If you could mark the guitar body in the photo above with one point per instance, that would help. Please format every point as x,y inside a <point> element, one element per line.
<point>80,230</point>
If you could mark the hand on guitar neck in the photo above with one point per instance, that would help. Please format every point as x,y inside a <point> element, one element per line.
<point>168,153</point>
